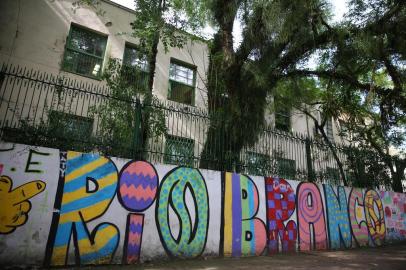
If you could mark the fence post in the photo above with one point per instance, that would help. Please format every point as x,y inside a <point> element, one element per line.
<point>310,174</point>
<point>137,141</point>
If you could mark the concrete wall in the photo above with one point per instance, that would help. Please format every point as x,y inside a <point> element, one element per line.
<point>65,208</point>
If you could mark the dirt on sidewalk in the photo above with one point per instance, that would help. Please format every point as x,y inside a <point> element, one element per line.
<point>387,257</point>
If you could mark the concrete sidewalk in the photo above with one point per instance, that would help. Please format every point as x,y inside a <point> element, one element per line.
<point>389,257</point>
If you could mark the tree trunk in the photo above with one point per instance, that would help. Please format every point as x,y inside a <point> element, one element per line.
<point>399,175</point>
<point>333,151</point>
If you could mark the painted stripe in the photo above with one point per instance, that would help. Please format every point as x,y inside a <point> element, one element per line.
<point>236,215</point>
<point>253,206</point>
<point>84,169</point>
<point>87,213</point>
<point>105,194</point>
<point>97,173</point>
<point>228,218</point>
<point>63,234</point>
<point>106,232</point>
<point>245,213</point>
<point>76,160</point>
<point>101,256</point>
<point>81,193</point>
<point>59,255</point>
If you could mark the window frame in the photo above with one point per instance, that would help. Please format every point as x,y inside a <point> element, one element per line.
<point>68,48</point>
<point>137,48</point>
<point>285,113</point>
<point>62,121</point>
<point>176,160</point>
<point>144,74</point>
<point>286,160</point>
<point>193,87</point>
<point>252,167</point>
<point>328,128</point>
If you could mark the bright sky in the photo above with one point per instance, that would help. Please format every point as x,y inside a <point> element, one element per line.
<point>339,8</point>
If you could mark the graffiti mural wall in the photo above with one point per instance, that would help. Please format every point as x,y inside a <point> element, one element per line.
<point>67,208</point>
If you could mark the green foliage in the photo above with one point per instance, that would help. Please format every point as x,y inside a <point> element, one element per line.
<point>169,20</point>
<point>127,113</point>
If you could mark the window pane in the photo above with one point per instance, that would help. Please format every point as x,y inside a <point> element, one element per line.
<point>133,58</point>
<point>84,52</point>
<point>286,168</point>
<point>282,119</point>
<point>181,74</point>
<point>329,130</point>
<point>179,151</point>
<point>181,93</point>
<point>333,175</point>
<point>82,64</point>
<point>71,126</point>
<point>258,164</point>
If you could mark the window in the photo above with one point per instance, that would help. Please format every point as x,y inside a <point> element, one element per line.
<point>333,175</point>
<point>70,126</point>
<point>258,164</point>
<point>181,83</point>
<point>135,66</point>
<point>179,150</point>
<point>328,128</point>
<point>286,168</point>
<point>282,119</point>
<point>84,52</point>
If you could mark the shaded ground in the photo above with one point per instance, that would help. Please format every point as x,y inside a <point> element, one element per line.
<point>389,257</point>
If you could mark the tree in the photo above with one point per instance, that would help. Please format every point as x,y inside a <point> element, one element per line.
<point>276,36</point>
<point>155,21</point>
<point>120,113</point>
<point>366,66</point>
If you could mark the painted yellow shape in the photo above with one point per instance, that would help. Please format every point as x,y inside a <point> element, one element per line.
<point>88,213</point>
<point>228,219</point>
<point>79,194</point>
<point>85,169</point>
<point>15,203</point>
<point>102,238</point>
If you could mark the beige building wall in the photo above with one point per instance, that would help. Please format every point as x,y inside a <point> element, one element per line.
<point>34,33</point>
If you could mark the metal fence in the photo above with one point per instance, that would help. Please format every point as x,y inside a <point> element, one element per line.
<point>43,109</point>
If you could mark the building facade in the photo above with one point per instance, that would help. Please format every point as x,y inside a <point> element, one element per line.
<point>76,44</point>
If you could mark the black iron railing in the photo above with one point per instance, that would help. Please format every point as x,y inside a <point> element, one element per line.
<point>49,110</point>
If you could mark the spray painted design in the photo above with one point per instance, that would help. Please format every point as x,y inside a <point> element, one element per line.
<point>191,240</point>
<point>339,228</point>
<point>89,187</point>
<point>359,226</point>
<point>15,203</point>
<point>395,214</point>
<point>281,203</point>
<point>310,217</point>
<point>138,185</point>
<point>243,234</point>
<point>375,221</point>
<point>137,191</point>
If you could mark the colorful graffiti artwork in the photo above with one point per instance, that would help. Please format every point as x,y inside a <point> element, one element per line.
<point>191,239</point>
<point>89,186</point>
<point>359,226</point>
<point>338,223</point>
<point>375,221</point>
<point>243,234</point>
<point>281,203</point>
<point>395,214</point>
<point>169,214</point>
<point>137,191</point>
<point>310,217</point>
<point>15,204</point>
